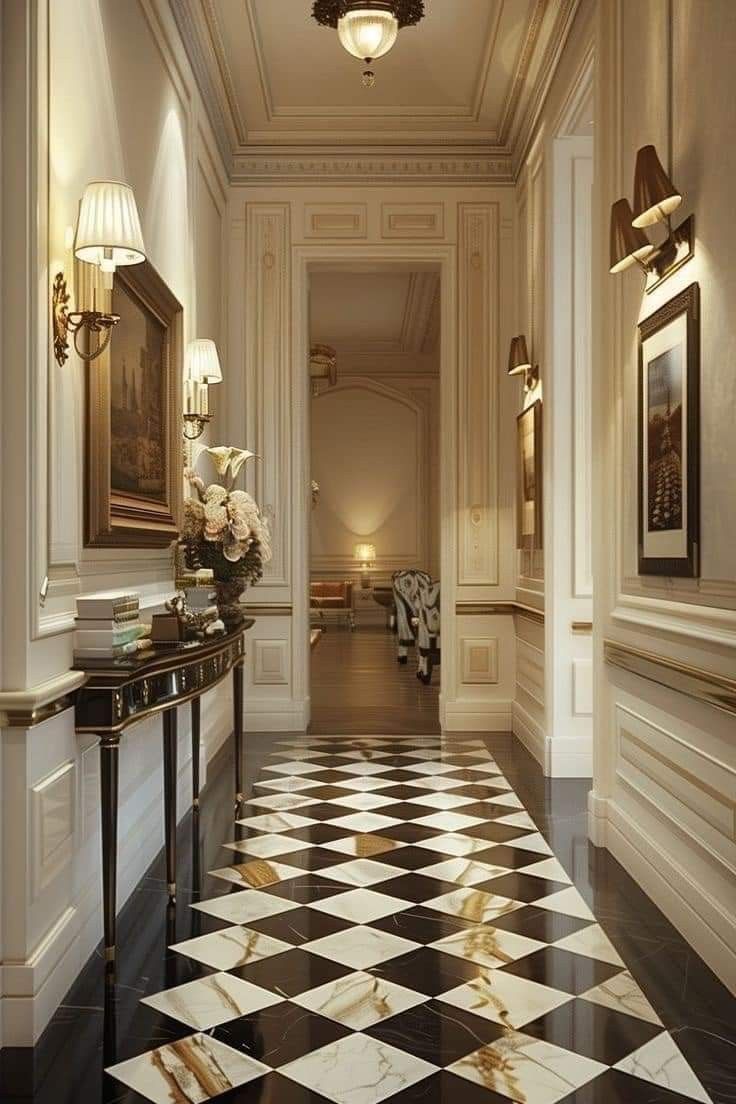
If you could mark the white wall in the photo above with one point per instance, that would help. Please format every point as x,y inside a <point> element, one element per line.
<point>374,456</point>
<point>665,764</point>
<point>277,235</point>
<point>553,701</point>
<point>95,88</point>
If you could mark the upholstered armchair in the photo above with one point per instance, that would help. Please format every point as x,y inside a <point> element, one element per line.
<point>407,586</point>
<point>428,631</point>
<point>335,599</point>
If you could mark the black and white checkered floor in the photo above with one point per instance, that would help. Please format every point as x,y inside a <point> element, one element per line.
<point>398,929</point>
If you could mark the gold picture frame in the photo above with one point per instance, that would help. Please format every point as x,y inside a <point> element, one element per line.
<point>529,478</point>
<point>133,456</point>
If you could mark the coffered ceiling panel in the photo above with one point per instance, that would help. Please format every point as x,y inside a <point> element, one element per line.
<point>465,77</point>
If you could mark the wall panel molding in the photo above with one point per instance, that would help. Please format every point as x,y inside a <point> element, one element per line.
<point>478,299</point>
<point>328,221</point>
<point>479,660</point>
<point>707,687</point>
<point>412,221</point>
<point>268,370</point>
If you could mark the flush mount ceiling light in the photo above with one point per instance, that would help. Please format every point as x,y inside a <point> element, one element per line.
<point>368,28</point>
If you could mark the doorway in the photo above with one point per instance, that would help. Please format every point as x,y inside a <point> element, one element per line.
<point>374,425</point>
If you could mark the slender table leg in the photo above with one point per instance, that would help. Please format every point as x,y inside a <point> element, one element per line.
<point>109,754</point>
<point>170,769</point>
<point>196,728</point>
<point>238,729</point>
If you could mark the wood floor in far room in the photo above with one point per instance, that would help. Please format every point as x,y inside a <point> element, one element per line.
<point>359,688</point>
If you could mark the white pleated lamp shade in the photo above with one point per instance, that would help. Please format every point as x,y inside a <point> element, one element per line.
<point>108,227</point>
<point>202,362</point>
<point>368,34</point>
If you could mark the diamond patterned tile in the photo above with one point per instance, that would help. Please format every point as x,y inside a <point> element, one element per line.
<point>505,999</point>
<point>437,1033</point>
<point>258,874</point>
<point>474,904</point>
<point>211,1001</point>
<point>231,947</point>
<point>428,971</point>
<point>365,822</point>
<point>362,872</point>
<point>275,822</point>
<point>361,947</point>
<point>365,846</point>
<point>245,907</point>
<point>487,946</point>
<point>358,1070</point>
<point>361,905</point>
<point>266,847</point>
<point>359,1000</point>
<point>280,1034</point>
<point>592,1030</point>
<point>294,972</point>
<point>464,872</point>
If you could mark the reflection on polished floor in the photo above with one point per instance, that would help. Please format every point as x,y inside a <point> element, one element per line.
<point>413,919</point>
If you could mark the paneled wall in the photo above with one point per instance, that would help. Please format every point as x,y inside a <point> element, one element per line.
<point>553,702</point>
<point>92,89</point>
<point>279,235</point>
<point>665,763</point>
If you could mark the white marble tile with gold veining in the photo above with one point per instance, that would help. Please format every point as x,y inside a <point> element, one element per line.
<point>257,873</point>
<point>663,1063</point>
<point>441,800</point>
<point>276,822</point>
<point>265,847</point>
<point>357,1070</point>
<point>362,802</point>
<point>464,871</point>
<point>295,767</point>
<point>282,803</point>
<point>449,822</point>
<point>593,943</point>
<point>487,946</point>
<point>359,1000</point>
<point>362,872</point>
<point>473,904</point>
<point>364,822</point>
<point>360,947</point>
<point>289,784</point>
<point>526,1069</point>
<point>364,846</point>
<point>568,901</point>
<point>367,784</point>
<point>622,993</point>
<point>212,1000</point>
<point>504,998</point>
<point>231,947</point>
<point>361,906</point>
<point>192,1070</point>
<point>453,843</point>
<point>242,908</point>
<point>532,842</point>
<point>547,868</point>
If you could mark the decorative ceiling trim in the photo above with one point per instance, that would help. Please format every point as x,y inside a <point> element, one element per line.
<point>317,167</point>
<point>433,162</point>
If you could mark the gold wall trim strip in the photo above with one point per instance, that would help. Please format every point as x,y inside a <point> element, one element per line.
<point>284,610</point>
<point>704,686</point>
<point>583,628</point>
<point>33,706</point>
<point>497,609</point>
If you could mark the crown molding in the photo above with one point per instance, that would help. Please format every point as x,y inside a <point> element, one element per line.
<point>439,160</point>
<point>374,166</point>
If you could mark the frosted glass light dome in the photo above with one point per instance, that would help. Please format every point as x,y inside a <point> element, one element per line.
<point>368,34</point>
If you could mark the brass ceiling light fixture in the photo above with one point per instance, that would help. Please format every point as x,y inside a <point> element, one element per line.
<point>368,29</point>
<point>655,200</point>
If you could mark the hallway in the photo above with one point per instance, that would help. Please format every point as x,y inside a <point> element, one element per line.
<point>359,688</point>
<point>391,918</point>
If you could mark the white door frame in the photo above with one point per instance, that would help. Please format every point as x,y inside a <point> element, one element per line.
<point>443,258</point>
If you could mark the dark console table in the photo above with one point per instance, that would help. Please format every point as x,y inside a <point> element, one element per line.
<point>121,692</point>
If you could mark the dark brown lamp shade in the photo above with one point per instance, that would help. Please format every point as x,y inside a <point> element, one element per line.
<point>655,196</point>
<point>518,356</point>
<point>628,244</point>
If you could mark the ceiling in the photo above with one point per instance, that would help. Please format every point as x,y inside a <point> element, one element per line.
<point>380,322</point>
<point>468,76</point>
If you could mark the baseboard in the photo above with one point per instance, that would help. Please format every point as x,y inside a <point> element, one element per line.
<point>277,716</point>
<point>686,903</point>
<point>529,733</point>
<point>475,716</point>
<point>568,757</point>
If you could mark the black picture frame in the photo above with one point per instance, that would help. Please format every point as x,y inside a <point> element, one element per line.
<point>669,438</point>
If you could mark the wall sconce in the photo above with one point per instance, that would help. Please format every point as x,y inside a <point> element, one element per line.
<point>108,234</point>
<point>655,199</point>
<point>366,556</point>
<point>519,362</point>
<point>322,368</point>
<point>201,368</point>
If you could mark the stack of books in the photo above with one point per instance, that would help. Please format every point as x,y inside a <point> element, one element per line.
<point>108,626</point>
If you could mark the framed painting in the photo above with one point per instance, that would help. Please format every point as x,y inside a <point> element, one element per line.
<point>669,437</point>
<point>529,477</point>
<point>134,456</point>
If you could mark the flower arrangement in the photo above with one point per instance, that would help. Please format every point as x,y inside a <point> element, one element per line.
<point>224,530</point>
